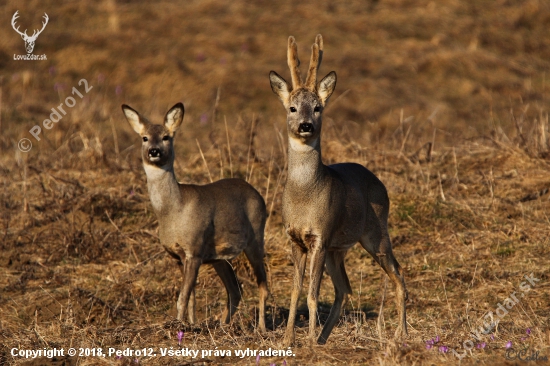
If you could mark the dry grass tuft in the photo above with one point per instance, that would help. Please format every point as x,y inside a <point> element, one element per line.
<point>445,101</point>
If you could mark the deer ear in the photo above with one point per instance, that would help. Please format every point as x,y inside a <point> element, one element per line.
<point>133,118</point>
<point>327,86</point>
<point>279,87</point>
<point>174,117</point>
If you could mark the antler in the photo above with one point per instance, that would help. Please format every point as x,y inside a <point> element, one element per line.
<point>294,63</point>
<point>13,19</point>
<point>34,35</point>
<point>314,63</point>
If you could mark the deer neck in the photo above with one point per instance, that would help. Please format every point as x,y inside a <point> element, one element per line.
<point>305,166</point>
<point>163,188</point>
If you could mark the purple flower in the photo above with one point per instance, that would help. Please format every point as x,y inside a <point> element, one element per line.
<point>528,331</point>
<point>59,87</point>
<point>204,118</point>
<point>118,90</point>
<point>509,344</point>
<point>437,339</point>
<point>180,333</point>
<point>118,357</point>
<point>52,71</point>
<point>443,349</point>
<point>481,345</point>
<point>405,345</point>
<point>258,360</point>
<point>523,339</point>
<point>492,337</point>
<point>284,362</point>
<point>428,346</point>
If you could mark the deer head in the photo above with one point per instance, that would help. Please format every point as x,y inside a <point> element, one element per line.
<point>304,102</point>
<point>158,140</point>
<point>29,41</point>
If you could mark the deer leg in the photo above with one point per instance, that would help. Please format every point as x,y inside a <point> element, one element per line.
<point>337,272</point>
<point>299,257</point>
<point>379,246</point>
<point>377,242</point>
<point>190,272</point>
<point>255,254</point>
<point>191,309</point>
<point>393,269</point>
<point>178,254</point>
<point>229,279</point>
<point>317,265</point>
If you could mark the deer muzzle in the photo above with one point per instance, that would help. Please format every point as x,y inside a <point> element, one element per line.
<point>154,154</point>
<point>305,129</point>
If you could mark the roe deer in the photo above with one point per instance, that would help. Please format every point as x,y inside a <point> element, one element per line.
<point>211,224</point>
<point>327,209</point>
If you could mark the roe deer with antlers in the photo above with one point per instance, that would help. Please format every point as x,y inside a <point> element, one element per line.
<point>327,209</point>
<point>212,223</point>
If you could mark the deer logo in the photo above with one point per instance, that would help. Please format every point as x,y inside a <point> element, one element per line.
<point>29,41</point>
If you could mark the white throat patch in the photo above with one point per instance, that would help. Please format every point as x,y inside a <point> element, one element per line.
<point>297,145</point>
<point>154,172</point>
<point>155,185</point>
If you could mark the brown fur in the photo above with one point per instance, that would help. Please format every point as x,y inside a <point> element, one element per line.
<point>201,224</point>
<point>314,63</point>
<point>294,63</point>
<point>328,209</point>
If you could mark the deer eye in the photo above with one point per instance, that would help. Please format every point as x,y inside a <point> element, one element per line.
<point>165,138</point>
<point>292,109</point>
<point>145,139</point>
<point>317,109</point>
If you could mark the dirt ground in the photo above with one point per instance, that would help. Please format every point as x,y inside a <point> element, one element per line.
<point>446,102</point>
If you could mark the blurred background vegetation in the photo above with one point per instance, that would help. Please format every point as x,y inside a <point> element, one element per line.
<point>455,67</point>
<point>446,101</point>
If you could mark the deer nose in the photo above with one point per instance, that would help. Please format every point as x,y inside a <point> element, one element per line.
<point>305,127</point>
<point>154,152</point>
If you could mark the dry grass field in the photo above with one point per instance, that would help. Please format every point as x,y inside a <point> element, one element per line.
<point>446,101</point>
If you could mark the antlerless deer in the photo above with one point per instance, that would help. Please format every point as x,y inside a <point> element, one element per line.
<point>211,224</point>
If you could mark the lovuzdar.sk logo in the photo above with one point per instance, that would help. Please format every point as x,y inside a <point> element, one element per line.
<point>29,40</point>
